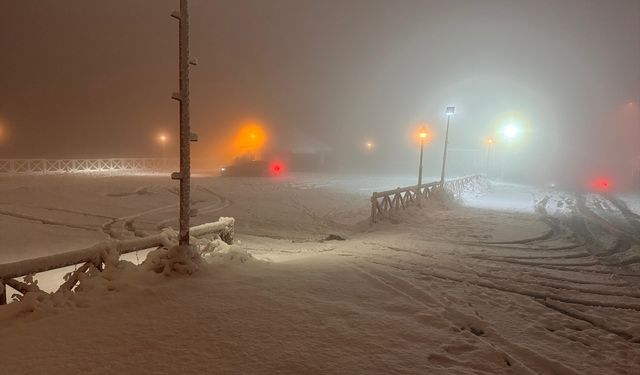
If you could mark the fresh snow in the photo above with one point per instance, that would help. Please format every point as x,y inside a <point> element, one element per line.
<point>483,287</point>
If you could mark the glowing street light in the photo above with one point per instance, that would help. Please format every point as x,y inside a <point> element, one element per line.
<point>423,134</point>
<point>369,145</point>
<point>449,112</point>
<point>511,132</point>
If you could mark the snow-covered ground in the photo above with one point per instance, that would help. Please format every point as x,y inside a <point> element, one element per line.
<point>543,284</point>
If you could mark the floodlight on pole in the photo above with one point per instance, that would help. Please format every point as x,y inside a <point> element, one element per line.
<point>449,112</point>
<point>369,145</point>
<point>511,131</point>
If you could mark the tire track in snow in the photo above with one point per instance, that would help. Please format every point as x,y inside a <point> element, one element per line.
<point>594,321</point>
<point>48,222</point>
<point>574,226</point>
<point>632,217</point>
<point>545,299</point>
<point>519,358</point>
<point>494,282</point>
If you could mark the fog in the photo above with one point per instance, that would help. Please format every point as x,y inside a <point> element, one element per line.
<point>94,79</point>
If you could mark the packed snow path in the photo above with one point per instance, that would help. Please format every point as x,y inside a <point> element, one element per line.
<point>546,285</point>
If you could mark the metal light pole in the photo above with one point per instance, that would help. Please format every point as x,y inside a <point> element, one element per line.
<point>185,131</point>
<point>510,132</point>
<point>449,112</point>
<point>252,148</point>
<point>423,136</point>
<point>163,141</point>
<point>489,141</point>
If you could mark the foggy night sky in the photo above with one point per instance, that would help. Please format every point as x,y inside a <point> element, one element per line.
<point>87,78</point>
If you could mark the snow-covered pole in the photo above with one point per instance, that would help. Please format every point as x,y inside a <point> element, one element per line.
<point>185,130</point>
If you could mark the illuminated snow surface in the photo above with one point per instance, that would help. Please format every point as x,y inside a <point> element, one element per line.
<point>516,280</point>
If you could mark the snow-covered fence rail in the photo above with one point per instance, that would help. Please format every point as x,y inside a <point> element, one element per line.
<point>55,166</point>
<point>383,203</point>
<point>459,185</point>
<point>94,256</point>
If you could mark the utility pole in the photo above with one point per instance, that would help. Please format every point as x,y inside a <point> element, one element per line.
<point>186,137</point>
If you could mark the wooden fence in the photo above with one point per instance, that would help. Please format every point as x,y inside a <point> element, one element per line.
<point>383,203</point>
<point>55,166</point>
<point>94,256</point>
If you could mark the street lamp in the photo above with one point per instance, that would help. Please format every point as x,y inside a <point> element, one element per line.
<point>449,112</point>
<point>252,153</point>
<point>489,142</point>
<point>369,145</point>
<point>163,141</point>
<point>510,132</point>
<point>424,133</point>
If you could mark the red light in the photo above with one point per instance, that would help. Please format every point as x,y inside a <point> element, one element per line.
<point>277,168</point>
<point>601,184</point>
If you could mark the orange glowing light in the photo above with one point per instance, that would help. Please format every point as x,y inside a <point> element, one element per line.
<point>424,134</point>
<point>489,141</point>
<point>250,139</point>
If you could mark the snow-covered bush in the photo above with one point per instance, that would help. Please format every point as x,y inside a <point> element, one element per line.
<point>175,259</point>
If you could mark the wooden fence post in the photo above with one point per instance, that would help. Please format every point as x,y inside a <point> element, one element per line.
<point>3,293</point>
<point>373,207</point>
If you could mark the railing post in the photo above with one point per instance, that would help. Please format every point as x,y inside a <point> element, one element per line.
<point>373,207</point>
<point>3,293</point>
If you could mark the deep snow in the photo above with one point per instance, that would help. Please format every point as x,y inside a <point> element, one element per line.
<point>483,288</point>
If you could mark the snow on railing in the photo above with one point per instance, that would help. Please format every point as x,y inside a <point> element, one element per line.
<point>459,185</point>
<point>383,203</point>
<point>94,256</point>
<point>55,166</point>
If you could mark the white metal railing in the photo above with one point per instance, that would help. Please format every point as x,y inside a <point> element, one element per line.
<point>56,166</point>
